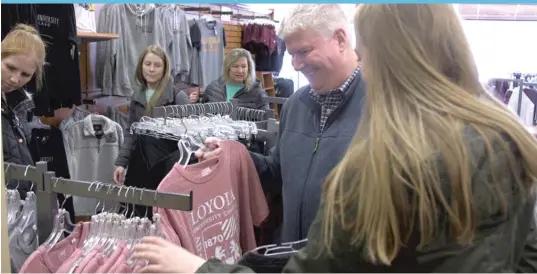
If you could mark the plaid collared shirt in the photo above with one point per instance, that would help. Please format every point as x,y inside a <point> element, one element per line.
<point>330,101</point>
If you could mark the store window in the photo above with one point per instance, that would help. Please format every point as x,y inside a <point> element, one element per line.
<point>502,47</point>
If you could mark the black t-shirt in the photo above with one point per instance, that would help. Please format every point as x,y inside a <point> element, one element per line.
<point>274,61</point>
<point>61,83</point>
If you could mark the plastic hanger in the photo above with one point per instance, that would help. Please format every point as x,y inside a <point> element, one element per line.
<point>285,248</point>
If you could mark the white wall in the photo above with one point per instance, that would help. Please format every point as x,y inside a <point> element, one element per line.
<point>502,47</point>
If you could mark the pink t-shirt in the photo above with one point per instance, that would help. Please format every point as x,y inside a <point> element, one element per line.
<point>110,261</point>
<point>228,202</point>
<point>91,262</point>
<point>48,260</point>
<point>121,265</point>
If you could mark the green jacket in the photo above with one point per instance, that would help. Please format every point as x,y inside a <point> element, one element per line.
<point>500,245</point>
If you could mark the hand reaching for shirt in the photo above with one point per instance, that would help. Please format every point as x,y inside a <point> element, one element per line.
<point>163,257</point>
<point>209,150</point>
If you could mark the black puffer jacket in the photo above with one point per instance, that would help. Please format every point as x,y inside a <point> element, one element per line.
<point>16,135</point>
<point>253,98</point>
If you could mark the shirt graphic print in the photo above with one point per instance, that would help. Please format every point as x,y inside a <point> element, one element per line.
<point>216,228</point>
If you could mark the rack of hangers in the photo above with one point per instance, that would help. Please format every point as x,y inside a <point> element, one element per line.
<point>528,88</point>
<point>29,173</point>
<point>260,19</point>
<point>223,108</point>
<point>47,186</point>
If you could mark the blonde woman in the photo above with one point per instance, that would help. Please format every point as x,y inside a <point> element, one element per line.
<point>153,73</point>
<point>439,176</point>
<point>23,57</point>
<point>238,81</point>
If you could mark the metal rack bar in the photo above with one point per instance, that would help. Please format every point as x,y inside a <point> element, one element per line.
<point>275,100</point>
<point>269,135</point>
<point>119,193</point>
<point>23,172</point>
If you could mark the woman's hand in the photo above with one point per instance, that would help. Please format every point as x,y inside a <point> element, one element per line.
<point>194,97</point>
<point>119,175</point>
<point>166,257</point>
<point>209,150</point>
<point>62,113</point>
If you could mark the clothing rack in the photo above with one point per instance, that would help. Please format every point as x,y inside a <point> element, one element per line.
<point>517,83</point>
<point>225,108</point>
<point>253,17</point>
<point>47,187</point>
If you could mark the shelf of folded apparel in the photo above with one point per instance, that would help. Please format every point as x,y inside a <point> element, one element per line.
<point>267,82</point>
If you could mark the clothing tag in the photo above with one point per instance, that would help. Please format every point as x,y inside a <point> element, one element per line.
<point>98,130</point>
<point>206,171</point>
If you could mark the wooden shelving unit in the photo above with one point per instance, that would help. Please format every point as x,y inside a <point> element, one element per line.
<point>267,82</point>
<point>86,72</point>
<point>88,37</point>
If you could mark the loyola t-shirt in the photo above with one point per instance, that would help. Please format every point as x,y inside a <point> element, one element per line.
<point>232,89</point>
<point>228,202</point>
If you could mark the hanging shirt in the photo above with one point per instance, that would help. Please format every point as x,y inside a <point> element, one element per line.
<point>232,89</point>
<point>149,94</point>
<point>209,40</point>
<point>61,83</point>
<point>228,202</point>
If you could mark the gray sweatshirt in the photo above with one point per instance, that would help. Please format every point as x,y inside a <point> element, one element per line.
<point>89,157</point>
<point>140,28</point>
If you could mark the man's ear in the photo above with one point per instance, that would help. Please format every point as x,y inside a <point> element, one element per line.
<point>342,39</point>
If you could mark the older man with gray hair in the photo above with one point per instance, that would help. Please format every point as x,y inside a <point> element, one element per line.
<point>318,121</point>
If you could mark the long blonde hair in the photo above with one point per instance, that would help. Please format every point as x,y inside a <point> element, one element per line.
<point>233,56</point>
<point>25,39</point>
<point>166,77</point>
<point>422,92</point>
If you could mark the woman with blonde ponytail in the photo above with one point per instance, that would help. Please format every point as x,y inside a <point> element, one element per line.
<point>23,57</point>
<point>440,176</point>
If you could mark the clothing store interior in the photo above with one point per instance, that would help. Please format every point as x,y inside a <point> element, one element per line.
<point>104,152</point>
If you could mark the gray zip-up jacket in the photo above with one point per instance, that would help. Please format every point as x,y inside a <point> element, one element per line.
<point>16,133</point>
<point>253,98</point>
<point>170,96</point>
<point>304,155</point>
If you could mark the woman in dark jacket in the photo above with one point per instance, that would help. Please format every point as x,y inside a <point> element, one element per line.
<point>23,57</point>
<point>238,82</point>
<point>142,153</point>
<point>440,176</point>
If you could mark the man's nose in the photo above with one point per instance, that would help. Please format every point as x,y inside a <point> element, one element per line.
<point>297,64</point>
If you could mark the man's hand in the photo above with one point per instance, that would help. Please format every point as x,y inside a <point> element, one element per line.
<point>209,150</point>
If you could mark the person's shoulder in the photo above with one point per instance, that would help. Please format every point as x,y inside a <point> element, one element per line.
<point>297,94</point>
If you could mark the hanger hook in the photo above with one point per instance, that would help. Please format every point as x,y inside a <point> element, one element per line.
<point>141,199</point>
<point>89,188</point>
<point>63,203</point>
<point>133,206</point>
<point>26,170</point>
<point>97,184</point>
<point>56,182</point>
<point>120,189</point>
<point>7,168</point>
